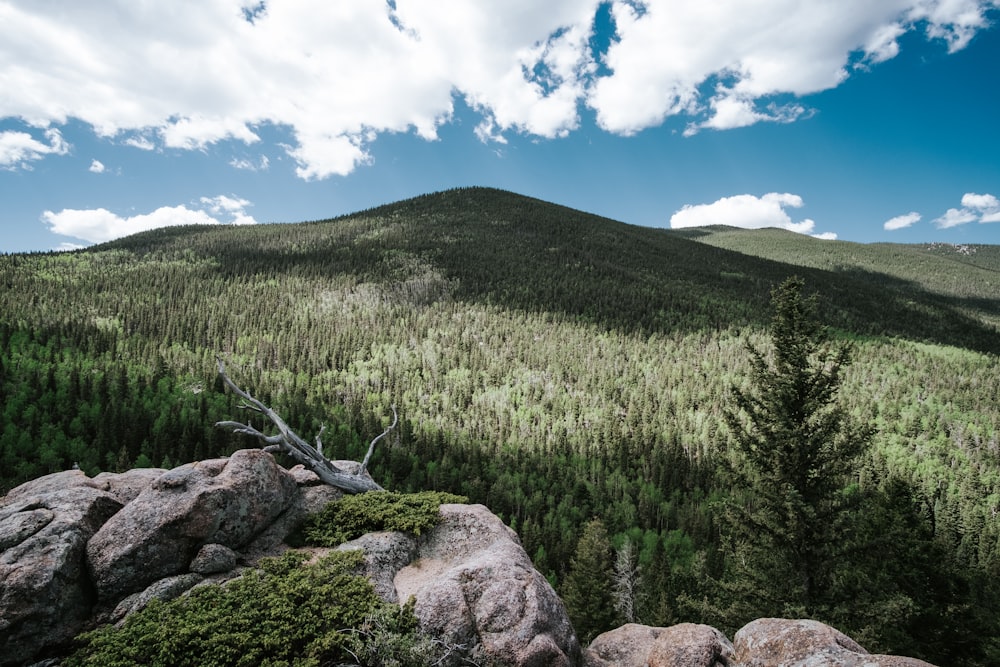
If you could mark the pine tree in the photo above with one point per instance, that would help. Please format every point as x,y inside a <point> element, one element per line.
<point>588,588</point>
<point>795,449</point>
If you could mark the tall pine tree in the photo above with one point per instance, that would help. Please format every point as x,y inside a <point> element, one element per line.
<point>588,589</point>
<point>795,449</point>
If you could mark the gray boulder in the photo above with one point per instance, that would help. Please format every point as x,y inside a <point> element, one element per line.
<point>45,597</point>
<point>221,501</point>
<point>626,646</point>
<point>780,642</point>
<point>682,645</point>
<point>475,586</point>
<point>690,645</point>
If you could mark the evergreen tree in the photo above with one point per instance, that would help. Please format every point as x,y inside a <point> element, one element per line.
<point>588,589</point>
<point>795,449</point>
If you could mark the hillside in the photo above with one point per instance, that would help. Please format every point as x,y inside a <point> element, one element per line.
<point>551,364</point>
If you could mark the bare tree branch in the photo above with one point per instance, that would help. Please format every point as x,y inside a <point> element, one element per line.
<point>289,442</point>
<point>371,447</point>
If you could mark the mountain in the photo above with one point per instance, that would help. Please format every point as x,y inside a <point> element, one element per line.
<point>551,364</point>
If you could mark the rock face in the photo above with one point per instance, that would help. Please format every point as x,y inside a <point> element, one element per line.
<point>75,550</point>
<point>474,585</point>
<point>774,642</point>
<point>45,596</point>
<point>683,645</point>
<point>766,642</point>
<point>222,501</point>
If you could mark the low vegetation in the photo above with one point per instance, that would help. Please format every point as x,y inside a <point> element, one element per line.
<point>352,516</point>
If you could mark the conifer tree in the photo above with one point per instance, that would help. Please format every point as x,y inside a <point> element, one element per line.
<point>795,448</point>
<point>588,590</point>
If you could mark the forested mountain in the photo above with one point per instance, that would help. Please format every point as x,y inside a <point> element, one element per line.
<point>554,365</point>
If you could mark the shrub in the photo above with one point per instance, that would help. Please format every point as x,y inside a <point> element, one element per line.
<point>353,516</point>
<point>284,613</point>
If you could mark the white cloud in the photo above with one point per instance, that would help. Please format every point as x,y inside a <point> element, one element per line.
<point>100,225</point>
<point>336,75</point>
<point>746,211</point>
<point>249,165</point>
<point>954,217</point>
<point>901,221</point>
<point>96,167</point>
<point>975,207</point>
<point>17,149</point>
<point>140,142</point>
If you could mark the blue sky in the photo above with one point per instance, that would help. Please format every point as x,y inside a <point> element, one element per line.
<point>838,118</point>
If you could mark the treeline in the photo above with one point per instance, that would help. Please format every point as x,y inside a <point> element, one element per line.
<point>553,365</point>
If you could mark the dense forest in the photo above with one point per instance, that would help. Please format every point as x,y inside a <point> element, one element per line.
<point>557,367</point>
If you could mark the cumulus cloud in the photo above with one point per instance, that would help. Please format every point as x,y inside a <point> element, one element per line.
<point>96,167</point>
<point>901,221</point>
<point>336,75</point>
<point>748,212</point>
<point>100,225</point>
<point>975,208</point>
<point>17,149</point>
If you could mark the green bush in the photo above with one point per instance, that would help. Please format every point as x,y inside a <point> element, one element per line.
<point>353,516</point>
<point>284,613</point>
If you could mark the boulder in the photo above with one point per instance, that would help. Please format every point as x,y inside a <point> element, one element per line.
<point>385,554</point>
<point>627,646</point>
<point>164,589</point>
<point>46,598</point>
<point>222,501</point>
<point>475,586</point>
<point>690,645</point>
<point>779,642</point>
<point>125,486</point>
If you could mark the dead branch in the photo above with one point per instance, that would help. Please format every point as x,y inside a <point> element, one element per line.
<point>288,441</point>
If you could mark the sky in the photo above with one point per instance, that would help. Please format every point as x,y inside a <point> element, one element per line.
<point>849,119</point>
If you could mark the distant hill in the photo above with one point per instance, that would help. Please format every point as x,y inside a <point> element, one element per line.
<point>551,364</point>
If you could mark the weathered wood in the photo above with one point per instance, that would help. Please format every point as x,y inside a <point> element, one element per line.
<point>288,441</point>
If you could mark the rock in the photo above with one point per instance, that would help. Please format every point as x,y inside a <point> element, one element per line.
<point>44,528</point>
<point>627,646</point>
<point>385,554</point>
<point>165,589</point>
<point>779,642</point>
<point>690,645</point>
<point>126,486</point>
<point>223,501</point>
<point>213,559</point>
<point>475,586</point>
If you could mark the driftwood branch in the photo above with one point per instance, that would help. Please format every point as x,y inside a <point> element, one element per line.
<point>301,451</point>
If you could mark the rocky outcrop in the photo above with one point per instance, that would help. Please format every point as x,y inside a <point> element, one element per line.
<point>766,642</point>
<point>45,596</point>
<point>225,502</point>
<point>474,585</point>
<point>779,642</point>
<point>75,551</point>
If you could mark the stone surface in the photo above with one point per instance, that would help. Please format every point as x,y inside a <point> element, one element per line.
<point>385,554</point>
<point>475,586</point>
<point>126,486</point>
<point>213,559</point>
<point>690,645</point>
<point>165,589</point>
<point>225,501</point>
<point>779,642</point>
<point>45,596</point>
<point>627,646</point>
